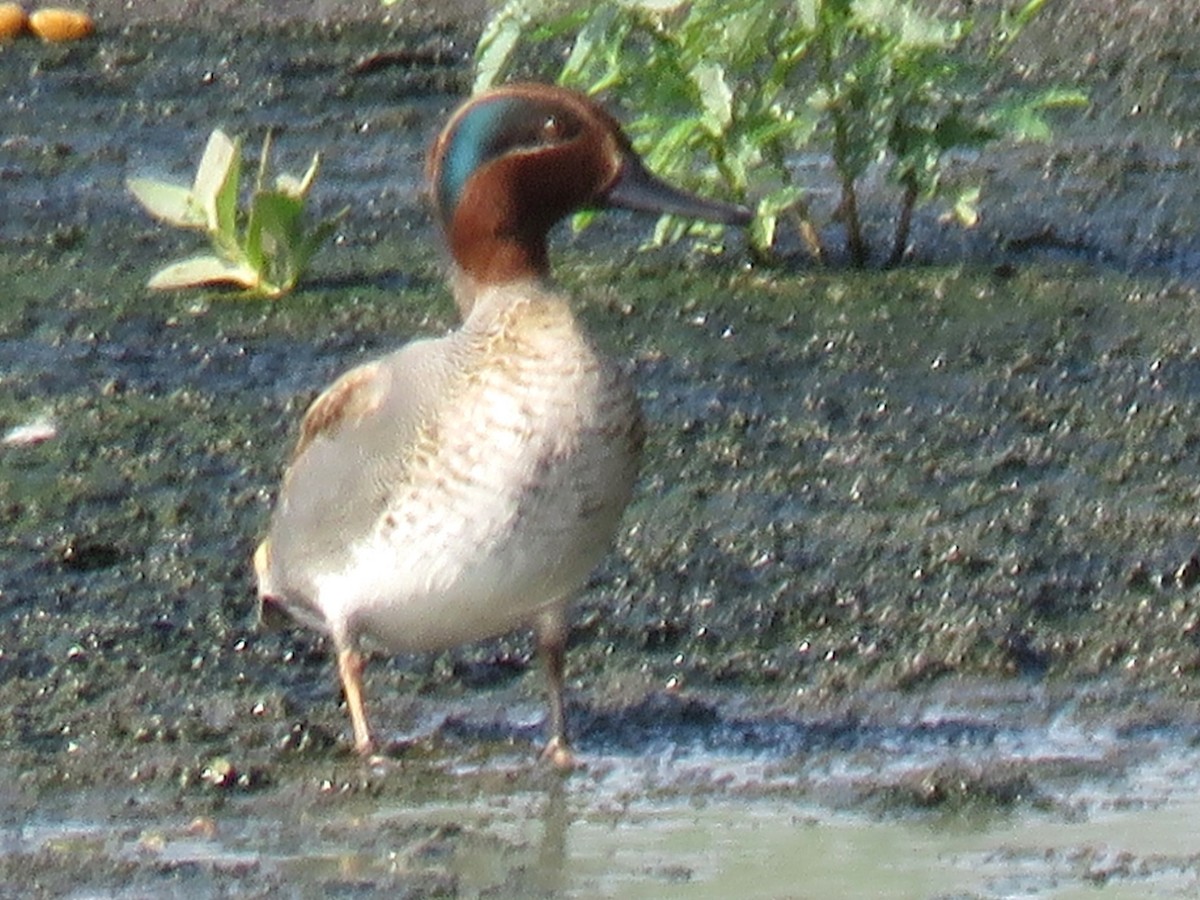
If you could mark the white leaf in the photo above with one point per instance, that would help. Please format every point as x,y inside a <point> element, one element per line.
<point>172,203</point>
<point>220,155</point>
<point>201,270</point>
<point>716,96</point>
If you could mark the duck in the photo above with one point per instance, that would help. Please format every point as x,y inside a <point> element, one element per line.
<point>464,486</point>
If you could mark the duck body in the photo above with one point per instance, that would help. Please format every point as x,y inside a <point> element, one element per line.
<point>518,447</point>
<point>465,486</point>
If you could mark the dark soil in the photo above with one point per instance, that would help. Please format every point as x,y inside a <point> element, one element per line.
<point>974,477</point>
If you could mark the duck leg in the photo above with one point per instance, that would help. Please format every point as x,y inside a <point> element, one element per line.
<point>350,668</point>
<point>552,631</point>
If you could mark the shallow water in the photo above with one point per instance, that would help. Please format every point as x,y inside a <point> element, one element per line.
<point>679,824</point>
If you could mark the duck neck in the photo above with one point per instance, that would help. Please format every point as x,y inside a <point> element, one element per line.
<point>468,288</point>
<point>498,256</point>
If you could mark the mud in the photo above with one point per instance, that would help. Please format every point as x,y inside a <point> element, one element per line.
<point>913,561</point>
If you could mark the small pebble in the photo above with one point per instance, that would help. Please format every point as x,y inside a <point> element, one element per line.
<point>36,431</point>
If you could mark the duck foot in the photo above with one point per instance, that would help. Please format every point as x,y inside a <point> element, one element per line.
<point>558,753</point>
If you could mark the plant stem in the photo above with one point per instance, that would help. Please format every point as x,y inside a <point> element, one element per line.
<point>854,236</point>
<point>907,203</point>
<point>834,28</point>
<point>841,161</point>
<point>809,235</point>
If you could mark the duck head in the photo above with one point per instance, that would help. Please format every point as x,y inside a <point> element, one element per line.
<point>515,160</point>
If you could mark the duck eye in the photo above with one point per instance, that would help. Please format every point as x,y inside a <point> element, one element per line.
<point>551,130</point>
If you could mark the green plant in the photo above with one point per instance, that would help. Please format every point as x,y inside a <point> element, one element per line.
<point>730,92</point>
<point>270,250</point>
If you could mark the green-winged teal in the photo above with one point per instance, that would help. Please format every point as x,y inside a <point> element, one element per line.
<point>465,486</point>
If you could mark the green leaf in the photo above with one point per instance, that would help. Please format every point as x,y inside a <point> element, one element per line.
<point>592,36</point>
<point>494,54</point>
<point>715,96</point>
<point>273,235</point>
<point>1011,26</point>
<point>668,230</point>
<point>762,230</point>
<point>780,200</point>
<point>264,159</point>
<point>171,203</point>
<point>656,7</point>
<point>808,12</point>
<point>201,270</point>
<point>966,206</point>
<point>279,216</point>
<point>494,51</point>
<point>1022,118</point>
<point>795,126</point>
<point>298,188</point>
<point>1058,98</point>
<point>251,247</point>
<point>732,93</point>
<point>904,24</point>
<point>315,239</point>
<point>955,131</point>
<point>583,219</point>
<point>668,155</point>
<point>270,255</point>
<point>1026,13</point>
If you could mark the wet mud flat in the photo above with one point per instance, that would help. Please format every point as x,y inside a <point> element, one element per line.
<point>910,576</point>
